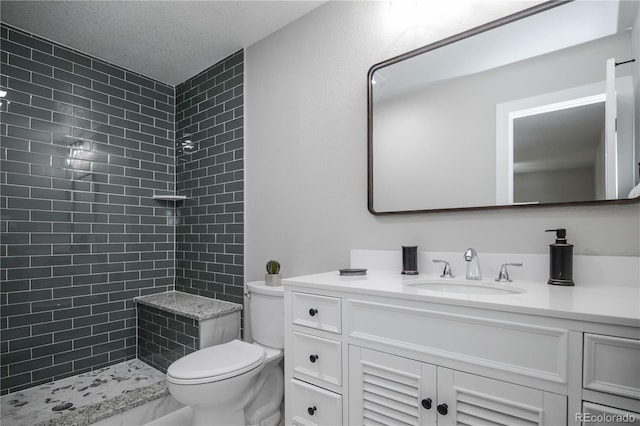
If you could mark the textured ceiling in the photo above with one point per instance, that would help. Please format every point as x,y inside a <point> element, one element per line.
<point>170,41</point>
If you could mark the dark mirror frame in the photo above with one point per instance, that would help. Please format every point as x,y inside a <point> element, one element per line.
<point>469,33</point>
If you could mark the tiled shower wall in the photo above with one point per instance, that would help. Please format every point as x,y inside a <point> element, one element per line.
<point>84,146</point>
<point>210,236</point>
<point>164,336</point>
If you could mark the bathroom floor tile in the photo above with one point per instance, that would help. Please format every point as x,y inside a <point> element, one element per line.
<point>84,395</point>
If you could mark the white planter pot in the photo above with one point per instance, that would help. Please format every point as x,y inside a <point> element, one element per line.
<point>272,279</point>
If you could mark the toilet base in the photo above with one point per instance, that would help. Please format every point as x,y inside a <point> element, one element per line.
<point>179,417</point>
<point>273,420</point>
<point>266,407</point>
<point>184,416</point>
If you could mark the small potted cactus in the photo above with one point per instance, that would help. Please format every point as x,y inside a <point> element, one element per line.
<point>272,277</point>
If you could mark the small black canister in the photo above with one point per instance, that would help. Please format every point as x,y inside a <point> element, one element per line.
<point>560,259</point>
<point>410,260</point>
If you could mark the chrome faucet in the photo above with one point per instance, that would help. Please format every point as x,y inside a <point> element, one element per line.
<point>446,272</point>
<point>503,276</point>
<point>473,264</point>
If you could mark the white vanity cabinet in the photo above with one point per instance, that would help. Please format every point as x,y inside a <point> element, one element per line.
<point>611,380</point>
<point>313,359</point>
<point>392,390</point>
<point>363,355</point>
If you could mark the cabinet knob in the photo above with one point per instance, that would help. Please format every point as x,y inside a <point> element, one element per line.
<point>426,403</point>
<point>313,312</point>
<point>443,409</point>
<point>314,358</point>
<point>311,410</point>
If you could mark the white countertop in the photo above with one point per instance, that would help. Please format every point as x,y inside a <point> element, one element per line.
<point>618,305</point>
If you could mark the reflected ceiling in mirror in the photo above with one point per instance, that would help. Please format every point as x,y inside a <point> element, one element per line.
<point>520,111</point>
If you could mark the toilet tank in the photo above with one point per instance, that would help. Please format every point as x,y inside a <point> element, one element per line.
<point>266,314</point>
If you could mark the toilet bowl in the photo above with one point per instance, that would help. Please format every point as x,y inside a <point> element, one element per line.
<point>237,383</point>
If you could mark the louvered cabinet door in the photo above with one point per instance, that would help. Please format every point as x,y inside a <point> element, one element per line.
<point>390,390</point>
<point>476,400</point>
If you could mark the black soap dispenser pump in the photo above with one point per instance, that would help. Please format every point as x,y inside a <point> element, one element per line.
<point>560,259</point>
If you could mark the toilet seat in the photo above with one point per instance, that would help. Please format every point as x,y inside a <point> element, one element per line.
<point>216,363</point>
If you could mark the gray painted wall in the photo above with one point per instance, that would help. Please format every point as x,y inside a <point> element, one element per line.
<point>306,167</point>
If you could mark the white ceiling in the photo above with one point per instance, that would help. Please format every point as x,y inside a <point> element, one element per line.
<point>170,41</point>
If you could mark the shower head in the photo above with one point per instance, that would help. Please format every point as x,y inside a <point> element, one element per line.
<point>185,144</point>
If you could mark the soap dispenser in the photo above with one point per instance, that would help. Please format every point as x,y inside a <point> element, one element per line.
<point>560,259</point>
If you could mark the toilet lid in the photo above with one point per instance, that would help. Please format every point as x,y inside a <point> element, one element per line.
<point>215,363</point>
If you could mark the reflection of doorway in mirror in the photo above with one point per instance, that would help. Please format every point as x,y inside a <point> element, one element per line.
<point>557,141</point>
<point>559,153</point>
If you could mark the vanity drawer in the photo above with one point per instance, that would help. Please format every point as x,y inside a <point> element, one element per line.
<point>318,358</point>
<point>612,365</point>
<point>532,351</point>
<point>596,414</point>
<point>311,405</point>
<point>319,312</point>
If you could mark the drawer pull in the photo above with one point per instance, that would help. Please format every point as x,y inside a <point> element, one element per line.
<point>311,410</point>
<point>426,403</point>
<point>443,409</point>
<point>314,358</point>
<point>313,312</point>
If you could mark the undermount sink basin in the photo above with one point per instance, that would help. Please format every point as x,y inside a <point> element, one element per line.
<point>465,287</point>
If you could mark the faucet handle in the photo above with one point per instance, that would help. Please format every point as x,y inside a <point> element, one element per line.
<point>446,273</point>
<point>503,276</point>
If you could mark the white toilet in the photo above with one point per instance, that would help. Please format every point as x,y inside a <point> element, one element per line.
<point>237,383</point>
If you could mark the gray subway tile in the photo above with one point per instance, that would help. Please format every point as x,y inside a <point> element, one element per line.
<point>49,127</point>
<point>71,313</point>
<point>72,78</point>
<point>121,103</point>
<point>29,41</point>
<point>52,60</point>
<point>16,72</point>
<point>59,271</point>
<point>71,56</point>
<point>138,99</point>
<point>28,134</point>
<point>140,80</point>
<point>27,342</point>
<point>51,372</point>
<point>55,282</point>
<point>71,99</point>
<point>153,112</point>
<point>90,94</point>
<point>52,83</point>
<point>86,71</point>
<point>72,355</point>
<point>71,121</point>
<point>51,105</point>
<point>107,69</point>
<point>90,115</point>
<point>15,48</point>
<point>125,85</point>
<point>29,111</point>
<point>32,364</point>
<point>108,109</point>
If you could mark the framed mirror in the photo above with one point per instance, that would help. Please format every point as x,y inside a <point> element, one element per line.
<point>537,109</point>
